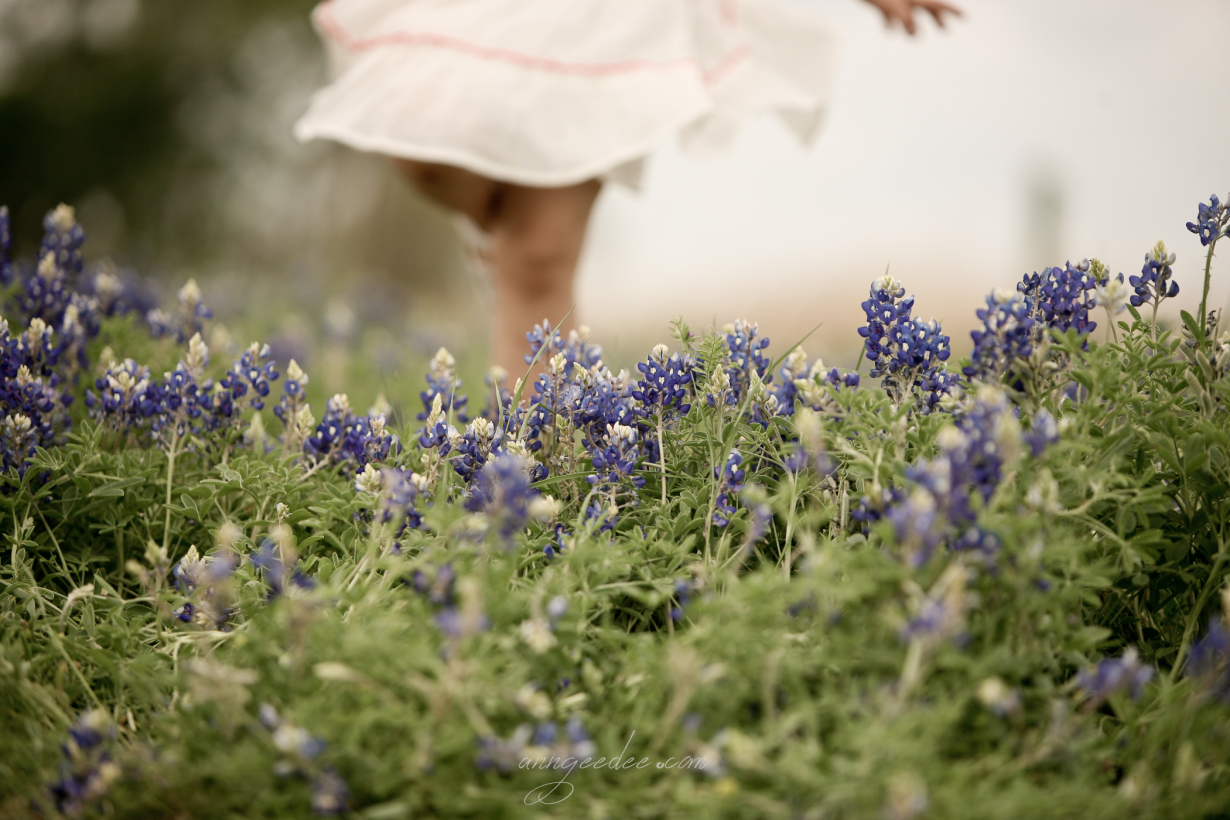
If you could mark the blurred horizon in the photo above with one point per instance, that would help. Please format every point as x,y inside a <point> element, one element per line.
<point>1029,133</point>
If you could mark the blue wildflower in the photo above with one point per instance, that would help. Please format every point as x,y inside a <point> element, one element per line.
<point>1060,299</point>
<point>730,484</point>
<point>280,572</point>
<point>908,353</point>
<point>503,492</point>
<point>1006,336</point>
<point>615,460</point>
<point>747,357</point>
<point>86,768</point>
<point>1114,675</point>
<point>442,381</point>
<point>1154,285</point>
<point>1212,221</point>
<point>1209,661</point>
<point>1043,432</point>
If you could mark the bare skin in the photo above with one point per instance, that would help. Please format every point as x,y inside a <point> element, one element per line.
<point>537,233</point>
<point>536,239</point>
<point>901,12</point>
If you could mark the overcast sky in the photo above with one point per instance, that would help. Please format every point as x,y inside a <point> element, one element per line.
<point>1111,111</point>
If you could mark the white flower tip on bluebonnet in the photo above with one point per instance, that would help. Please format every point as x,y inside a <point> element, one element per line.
<point>1043,495</point>
<point>64,218</point>
<point>497,375</point>
<point>305,422</point>
<point>25,378</point>
<point>659,353</point>
<point>810,392</point>
<point>1159,254</point>
<point>419,482</point>
<point>48,270</point>
<point>888,284</point>
<point>340,403</point>
<point>281,512</point>
<point>517,387</point>
<point>255,434</point>
<point>537,634</point>
<point>951,439</point>
<point>796,361</point>
<point>197,357</point>
<point>1113,296</point>
<point>545,508</point>
<point>190,295</point>
<point>559,362</point>
<point>71,319</point>
<point>442,363</point>
<point>998,696</point>
<point>295,373</point>
<point>534,701</point>
<point>369,481</point>
<point>482,429</point>
<point>621,434</point>
<point>228,536</point>
<point>719,382</point>
<point>16,424</point>
<point>557,607</point>
<point>107,285</point>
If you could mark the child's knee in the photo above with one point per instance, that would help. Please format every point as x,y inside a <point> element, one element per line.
<point>535,269</point>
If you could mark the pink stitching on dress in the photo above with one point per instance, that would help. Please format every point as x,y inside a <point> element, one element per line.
<point>335,30</point>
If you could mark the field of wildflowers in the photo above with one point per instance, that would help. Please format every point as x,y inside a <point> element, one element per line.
<point>732,583</point>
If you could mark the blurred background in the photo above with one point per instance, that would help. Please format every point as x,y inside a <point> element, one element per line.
<point>1029,133</point>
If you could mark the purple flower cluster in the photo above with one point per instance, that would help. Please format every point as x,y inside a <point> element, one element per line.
<point>1115,675</point>
<point>299,751</point>
<point>950,488</point>
<point>1060,298</point>
<point>729,485</point>
<point>1155,285</point>
<point>1212,221</point>
<point>503,493</point>
<point>1007,334</point>
<point>202,583</point>
<point>6,247</point>
<point>747,357</point>
<point>908,353</point>
<point>86,768</point>
<point>33,410</point>
<point>1209,662</point>
<point>280,571</point>
<point>664,384</point>
<point>537,747</point>
<point>442,381</point>
<point>344,437</point>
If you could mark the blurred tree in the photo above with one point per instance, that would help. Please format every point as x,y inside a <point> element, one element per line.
<point>92,101</point>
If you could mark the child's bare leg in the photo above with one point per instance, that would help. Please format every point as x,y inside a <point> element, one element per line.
<point>537,238</point>
<point>455,188</point>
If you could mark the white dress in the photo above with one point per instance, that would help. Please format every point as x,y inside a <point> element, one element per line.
<point>555,92</point>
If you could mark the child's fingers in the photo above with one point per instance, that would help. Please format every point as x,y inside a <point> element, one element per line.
<point>937,10</point>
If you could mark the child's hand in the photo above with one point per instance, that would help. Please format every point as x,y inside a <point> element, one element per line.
<point>902,11</point>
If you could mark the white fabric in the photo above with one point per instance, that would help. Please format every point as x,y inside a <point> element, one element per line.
<point>555,92</point>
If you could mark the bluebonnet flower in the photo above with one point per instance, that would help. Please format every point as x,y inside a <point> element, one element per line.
<point>1043,432</point>
<point>18,442</point>
<point>280,569</point>
<point>442,381</point>
<point>471,449</point>
<point>615,460</point>
<point>466,617</point>
<point>86,768</point>
<point>6,247</point>
<point>886,308</point>
<point>970,465</point>
<point>1114,675</point>
<point>345,437</point>
<point>906,352</point>
<point>940,613</point>
<point>1113,294</point>
<point>683,596</point>
<point>559,543</point>
<point>503,493</point>
<point>795,367</point>
<point>126,399</point>
<point>290,404</point>
<point>62,241</point>
<point>1209,661</point>
<point>193,313</point>
<point>248,373</point>
<point>1060,298</point>
<point>764,405</point>
<point>747,356</point>
<point>760,519</point>
<point>871,509</point>
<point>1154,285</point>
<point>398,491</point>
<point>299,751</point>
<point>663,387</point>
<point>1212,221</point>
<point>541,336</point>
<point>330,794</point>
<point>202,582</point>
<point>730,484</point>
<point>1005,337</point>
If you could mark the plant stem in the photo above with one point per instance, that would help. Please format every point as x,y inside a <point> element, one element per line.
<point>1191,621</point>
<point>1204,297</point>
<point>166,532</point>
<point>662,453</point>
